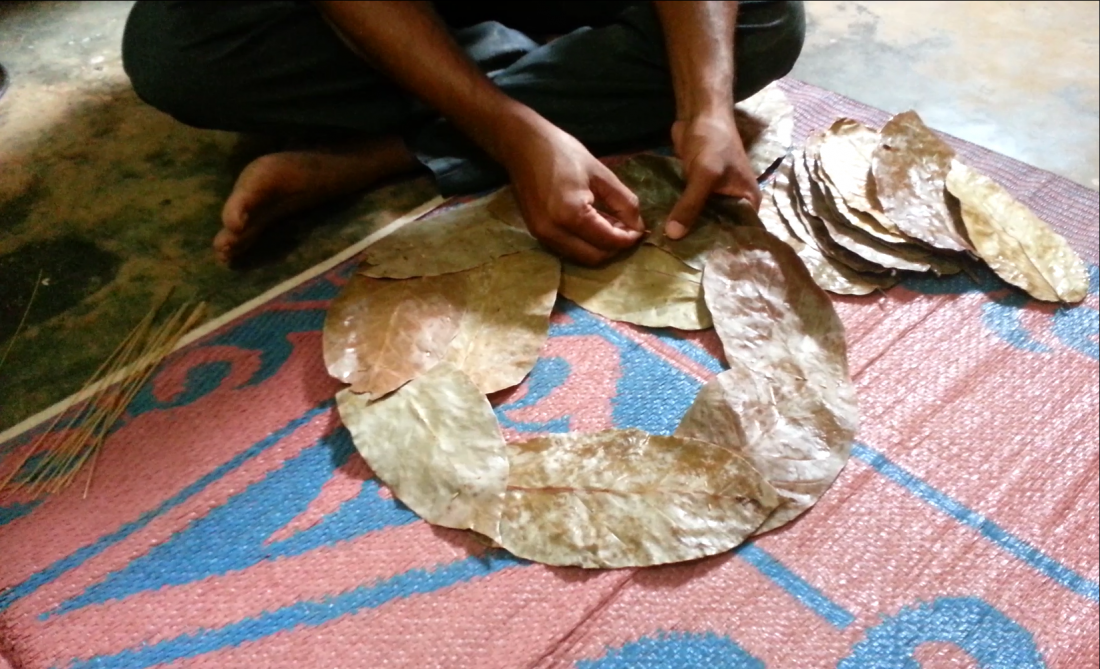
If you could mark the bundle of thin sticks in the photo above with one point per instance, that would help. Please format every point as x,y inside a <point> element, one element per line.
<point>62,451</point>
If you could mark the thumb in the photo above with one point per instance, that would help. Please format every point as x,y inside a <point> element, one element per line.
<point>688,207</point>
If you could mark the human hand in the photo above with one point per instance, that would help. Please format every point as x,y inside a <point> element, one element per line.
<point>714,162</point>
<point>563,192</point>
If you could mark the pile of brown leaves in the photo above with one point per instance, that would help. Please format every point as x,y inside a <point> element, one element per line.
<point>451,308</point>
<point>861,206</point>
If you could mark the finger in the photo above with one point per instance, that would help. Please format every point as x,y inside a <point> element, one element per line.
<point>574,248</point>
<point>595,229</point>
<point>700,185</point>
<point>619,199</point>
<point>749,192</point>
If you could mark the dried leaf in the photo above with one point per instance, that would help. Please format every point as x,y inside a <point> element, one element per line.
<point>456,240</point>
<point>1016,244</point>
<point>786,403</point>
<point>810,203</point>
<point>437,445</point>
<point>380,333</point>
<point>838,219</point>
<point>647,287</point>
<point>909,167</point>
<point>845,153</point>
<point>766,123</point>
<point>780,219</point>
<point>502,205</point>
<point>624,498</point>
<point>848,146</point>
<point>491,321</point>
<point>658,183</point>
<point>785,190</point>
<point>506,318</point>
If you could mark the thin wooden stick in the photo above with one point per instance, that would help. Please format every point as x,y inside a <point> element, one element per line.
<point>74,452</point>
<point>138,354</point>
<point>162,346</point>
<point>163,349</point>
<point>104,370</point>
<point>22,321</point>
<point>84,445</point>
<point>86,418</point>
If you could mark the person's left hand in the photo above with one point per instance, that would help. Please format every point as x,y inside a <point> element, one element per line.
<point>714,162</point>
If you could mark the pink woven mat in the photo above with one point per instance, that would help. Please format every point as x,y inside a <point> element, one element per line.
<point>231,524</point>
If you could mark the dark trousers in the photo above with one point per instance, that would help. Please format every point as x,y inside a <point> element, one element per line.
<point>278,68</point>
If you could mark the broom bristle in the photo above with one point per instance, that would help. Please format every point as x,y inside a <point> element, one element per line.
<point>115,383</point>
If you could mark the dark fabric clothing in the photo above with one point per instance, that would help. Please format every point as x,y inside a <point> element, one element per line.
<point>279,68</point>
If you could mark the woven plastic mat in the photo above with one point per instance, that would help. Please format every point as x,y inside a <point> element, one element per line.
<point>231,524</point>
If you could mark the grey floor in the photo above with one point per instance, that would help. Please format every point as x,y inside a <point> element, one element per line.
<point>1021,78</point>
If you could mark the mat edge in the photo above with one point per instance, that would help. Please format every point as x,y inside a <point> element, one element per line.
<point>281,288</point>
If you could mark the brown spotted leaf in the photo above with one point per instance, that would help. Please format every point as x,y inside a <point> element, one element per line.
<point>909,167</point>
<point>1016,244</point>
<point>810,202</point>
<point>658,182</point>
<point>786,403</point>
<point>845,153</point>
<point>380,333</point>
<point>845,227</point>
<point>437,445</point>
<point>624,498</point>
<point>780,219</point>
<point>646,287</point>
<point>506,318</point>
<point>490,321</point>
<point>456,240</point>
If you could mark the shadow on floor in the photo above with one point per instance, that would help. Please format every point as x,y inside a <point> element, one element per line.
<point>106,203</point>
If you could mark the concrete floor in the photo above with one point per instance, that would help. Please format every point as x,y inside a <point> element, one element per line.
<point>1021,78</point>
<point>114,202</point>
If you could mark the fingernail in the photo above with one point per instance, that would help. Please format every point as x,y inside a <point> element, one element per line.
<point>673,230</point>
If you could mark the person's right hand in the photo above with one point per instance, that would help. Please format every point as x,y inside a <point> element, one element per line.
<point>561,189</point>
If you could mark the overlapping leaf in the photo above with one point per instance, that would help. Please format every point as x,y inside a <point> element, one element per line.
<point>780,219</point>
<point>624,498</point>
<point>379,334</point>
<point>766,123</point>
<point>786,402</point>
<point>454,241</point>
<point>646,287</point>
<point>503,206</point>
<point>658,182</point>
<point>909,167</point>
<point>1016,244</point>
<point>506,318</point>
<point>437,445</point>
<point>837,218</point>
<point>491,321</point>
<point>845,153</point>
<point>812,208</point>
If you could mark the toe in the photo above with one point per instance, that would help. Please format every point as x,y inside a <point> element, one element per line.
<point>235,211</point>
<point>225,243</point>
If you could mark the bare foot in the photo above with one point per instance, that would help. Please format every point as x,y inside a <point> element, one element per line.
<point>278,185</point>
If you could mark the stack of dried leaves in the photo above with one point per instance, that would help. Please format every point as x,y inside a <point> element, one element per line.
<point>861,206</point>
<point>449,309</point>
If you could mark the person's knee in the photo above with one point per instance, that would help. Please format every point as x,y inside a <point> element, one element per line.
<point>792,37</point>
<point>768,45</point>
<point>159,71</point>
